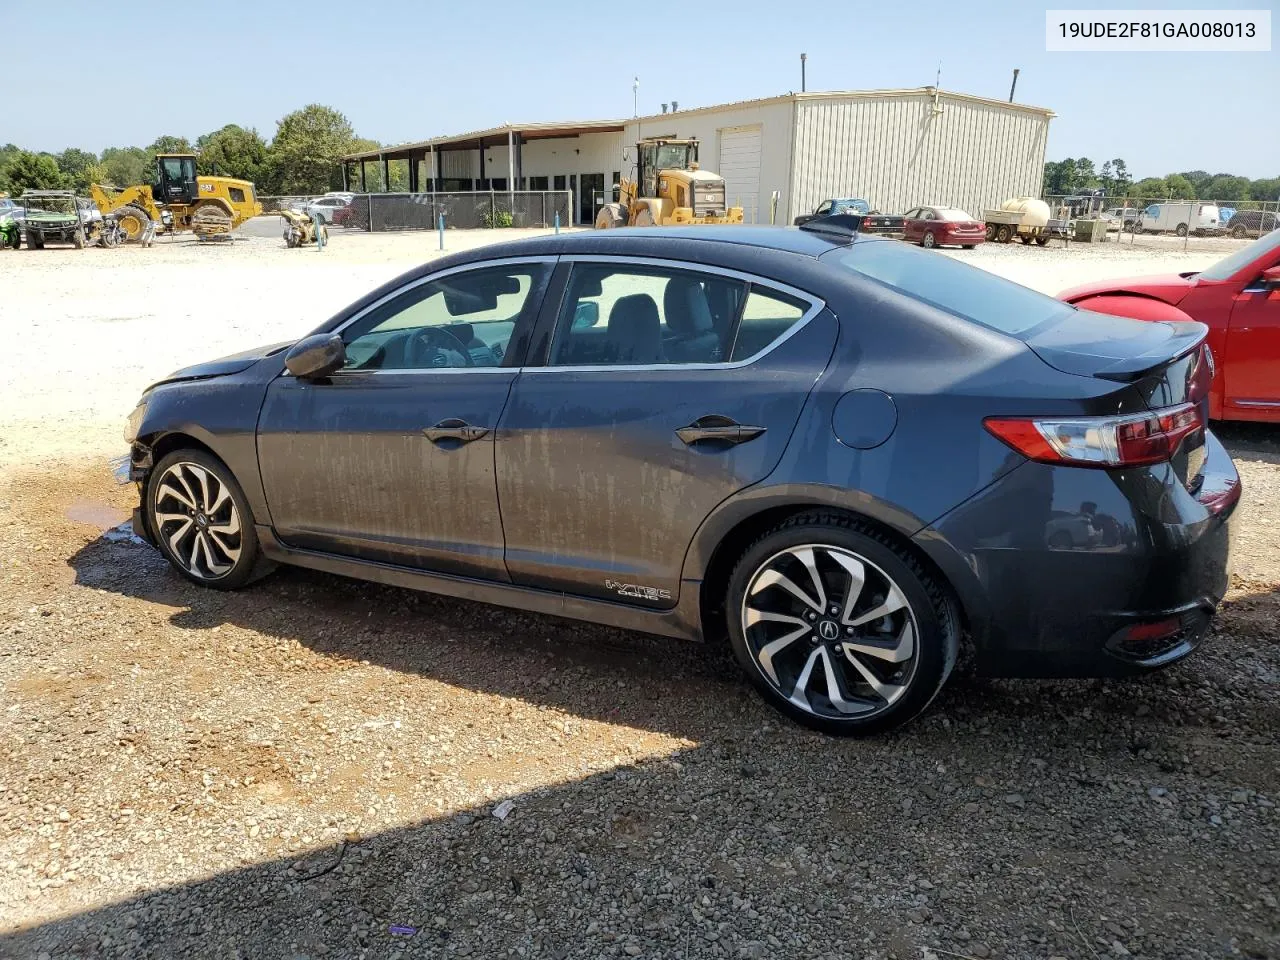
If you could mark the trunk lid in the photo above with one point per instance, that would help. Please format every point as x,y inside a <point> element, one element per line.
<point>1168,363</point>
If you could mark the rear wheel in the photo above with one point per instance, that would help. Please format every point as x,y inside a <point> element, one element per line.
<point>1042,241</point>
<point>1025,238</point>
<point>1238,232</point>
<point>133,222</point>
<point>838,627</point>
<point>644,218</point>
<point>1004,233</point>
<point>201,520</point>
<point>1182,230</point>
<point>928,240</point>
<point>991,231</point>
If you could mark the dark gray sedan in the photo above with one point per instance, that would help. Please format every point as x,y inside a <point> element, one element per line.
<point>845,455</point>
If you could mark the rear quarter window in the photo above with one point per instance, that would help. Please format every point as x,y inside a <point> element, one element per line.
<point>967,292</point>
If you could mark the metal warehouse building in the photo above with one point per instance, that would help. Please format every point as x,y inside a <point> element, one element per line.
<point>896,148</point>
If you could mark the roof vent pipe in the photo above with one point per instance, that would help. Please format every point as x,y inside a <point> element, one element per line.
<point>664,108</point>
<point>675,105</point>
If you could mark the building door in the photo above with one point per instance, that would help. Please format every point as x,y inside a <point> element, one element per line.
<point>592,188</point>
<point>740,167</point>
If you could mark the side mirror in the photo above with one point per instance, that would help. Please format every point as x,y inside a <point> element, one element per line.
<point>1271,278</point>
<point>316,356</point>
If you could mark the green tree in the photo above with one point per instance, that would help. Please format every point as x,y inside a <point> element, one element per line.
<point>169,144</point>
<point>126,166</point>
<point>1060,177</point>
<point>1152,188</point>
<point>232,152</point>
<point>1086,179</point>
<point>33,171</point>
<point>7,153</point>
<point>1225,187</point>
<point>1180,187</point>
<point>74,163</point>
<point>306,152</point>
<point>1120,178</point>
<point>1198,178</point>
<point>1268,189</point>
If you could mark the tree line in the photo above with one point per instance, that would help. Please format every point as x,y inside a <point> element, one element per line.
<point>1077,175</point>
<point>302,158</point>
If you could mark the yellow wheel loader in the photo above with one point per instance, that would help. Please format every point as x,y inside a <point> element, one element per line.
<point>210,207</point>
<point>668,189</point>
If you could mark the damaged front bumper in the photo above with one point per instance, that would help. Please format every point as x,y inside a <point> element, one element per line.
<point>133,467</point>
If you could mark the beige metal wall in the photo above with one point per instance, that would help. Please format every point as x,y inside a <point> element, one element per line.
<point>901,151</point>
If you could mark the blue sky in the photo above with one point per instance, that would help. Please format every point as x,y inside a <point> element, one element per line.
<point>406,71</point>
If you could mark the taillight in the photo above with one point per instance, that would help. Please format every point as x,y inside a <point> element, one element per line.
<point>1106,442</point>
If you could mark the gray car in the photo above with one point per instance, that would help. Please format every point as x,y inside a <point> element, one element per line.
<point>845,456</point>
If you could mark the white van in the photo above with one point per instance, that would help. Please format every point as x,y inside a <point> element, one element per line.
<point>1181,218</point>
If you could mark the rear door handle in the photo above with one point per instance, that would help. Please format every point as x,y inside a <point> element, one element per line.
<point>717,429</point>
<point>454,429</point>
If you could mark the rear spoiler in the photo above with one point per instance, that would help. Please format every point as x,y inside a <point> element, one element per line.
<point>1188,335</point>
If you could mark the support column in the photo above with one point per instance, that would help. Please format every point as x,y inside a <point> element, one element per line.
<point>386,175</point>
<point>364,187</point>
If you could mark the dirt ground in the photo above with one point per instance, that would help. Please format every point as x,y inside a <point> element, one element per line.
<point>317,767</point>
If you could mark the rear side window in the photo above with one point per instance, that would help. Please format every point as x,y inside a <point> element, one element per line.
<point>766,317</point>
<point>967,292</point>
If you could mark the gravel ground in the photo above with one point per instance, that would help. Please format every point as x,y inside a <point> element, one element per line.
<point>317,767</point>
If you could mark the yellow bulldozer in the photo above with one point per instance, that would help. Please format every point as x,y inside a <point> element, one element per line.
<point>209,207</point>
<point>669,188</point>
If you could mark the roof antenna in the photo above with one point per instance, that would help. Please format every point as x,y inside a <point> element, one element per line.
<point>937,83</point>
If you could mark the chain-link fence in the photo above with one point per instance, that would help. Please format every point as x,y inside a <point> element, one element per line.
<point>1164,224</point>
<point>422,211</point>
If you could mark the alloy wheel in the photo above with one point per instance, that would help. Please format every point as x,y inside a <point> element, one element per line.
<point>830,631</point>
<point>196,517</point>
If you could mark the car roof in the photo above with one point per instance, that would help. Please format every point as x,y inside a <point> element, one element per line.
<point>650,241</point>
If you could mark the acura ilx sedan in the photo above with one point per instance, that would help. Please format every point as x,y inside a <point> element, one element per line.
<point>845,455</point>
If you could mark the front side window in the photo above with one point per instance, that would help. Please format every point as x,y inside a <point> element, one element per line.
<point>824,207</point>
<point>460,320</point>
<point>622,315</point>
<point>237,195</point>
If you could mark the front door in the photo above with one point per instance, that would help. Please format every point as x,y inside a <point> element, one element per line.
<point>591,192</point>
<point>667,390</point>
<point>1252,367</point>
<point>391,458</point>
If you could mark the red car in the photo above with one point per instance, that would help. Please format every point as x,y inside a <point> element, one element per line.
<point>1238,298</point>
<point>934,226</point>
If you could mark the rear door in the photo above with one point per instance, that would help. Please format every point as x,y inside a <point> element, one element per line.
<point>667,390</point>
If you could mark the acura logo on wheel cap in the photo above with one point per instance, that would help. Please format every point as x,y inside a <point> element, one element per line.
<point>828,630</point>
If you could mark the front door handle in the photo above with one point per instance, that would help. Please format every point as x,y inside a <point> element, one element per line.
<point>717,429</point>
<point>454,429</point>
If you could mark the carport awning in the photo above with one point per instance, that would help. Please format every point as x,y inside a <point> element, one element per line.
<point>493,136</point>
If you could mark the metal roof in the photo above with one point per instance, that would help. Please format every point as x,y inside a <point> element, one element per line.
<point>546,130</point>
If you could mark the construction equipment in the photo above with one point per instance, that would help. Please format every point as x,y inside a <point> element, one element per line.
<point>210,207</point>
<point>301,228</point>
<point>669,188</point>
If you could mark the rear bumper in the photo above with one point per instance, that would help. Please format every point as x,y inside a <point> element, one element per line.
<point>1068,572</point>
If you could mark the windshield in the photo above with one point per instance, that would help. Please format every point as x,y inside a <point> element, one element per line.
<point>857,206</point>
<point>672,157</point>
<point>1228,267</point>
<point>967,292</point>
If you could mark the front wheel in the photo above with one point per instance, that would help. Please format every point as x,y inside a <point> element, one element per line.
<point>838,627</point>
<point>201,520</point>
<point>1182,230</point>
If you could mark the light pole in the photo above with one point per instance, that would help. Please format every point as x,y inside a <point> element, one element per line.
<point>635,97</point>
<point>803,58</point>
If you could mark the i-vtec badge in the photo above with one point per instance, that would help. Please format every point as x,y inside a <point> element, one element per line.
<point>637,591</point>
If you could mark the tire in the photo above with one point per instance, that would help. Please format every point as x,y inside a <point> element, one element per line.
<point>77,239</point>
<point>928,241</point>
<point>200,531</point>
<point>35,241</point>
<point>1004,233</point>
<point>644,218</point>
<point>917,642</point>
<point>1042,241</point>
<point>611,216</point>
<point>133,222</point>
<point>991,231</point>
<point>1025,238</point>
<point>1181,230</point>
<point>968,246</point>
<point>1238,232</point>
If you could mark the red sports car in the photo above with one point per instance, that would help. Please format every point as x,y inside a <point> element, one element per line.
<point>934,226</point>
<point>1238,298</point>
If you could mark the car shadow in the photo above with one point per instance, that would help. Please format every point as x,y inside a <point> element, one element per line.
<point>591,671</point>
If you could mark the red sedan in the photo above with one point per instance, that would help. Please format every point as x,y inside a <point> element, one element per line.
<point>1238,298</point>
<point>935,226</point>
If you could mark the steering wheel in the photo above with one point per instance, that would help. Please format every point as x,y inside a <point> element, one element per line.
<point>428,342</point>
